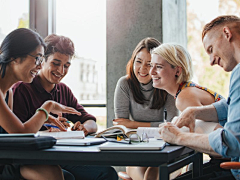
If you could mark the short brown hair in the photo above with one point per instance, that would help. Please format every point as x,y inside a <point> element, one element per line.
<point>220,20</point>
<point>61,44</point>
<point>159,95</point>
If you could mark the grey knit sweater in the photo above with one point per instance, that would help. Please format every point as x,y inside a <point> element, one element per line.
<point>126,107</point>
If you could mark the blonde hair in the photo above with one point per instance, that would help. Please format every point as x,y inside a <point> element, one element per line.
<point>176,56</point>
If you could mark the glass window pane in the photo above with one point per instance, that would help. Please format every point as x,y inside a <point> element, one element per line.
<point>198,14</point>
<point>84,22</point>
<point>13,14</point>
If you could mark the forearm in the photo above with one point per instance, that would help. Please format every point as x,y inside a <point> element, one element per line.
<point>136,124</point>
<point>205,113</point>
<point>36,121</point>
<point>198,142</point>
<point>90,126</point>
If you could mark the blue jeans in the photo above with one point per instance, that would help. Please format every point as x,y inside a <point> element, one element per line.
<point>85,172</point>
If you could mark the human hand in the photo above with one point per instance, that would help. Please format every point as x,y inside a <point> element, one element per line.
<point>54,121</point>
<point>63,120</point>
<point>169,132</point>
<point>121,121</point>
<point>79,127</point>
<point>186,118</point>
<point>57,108</point>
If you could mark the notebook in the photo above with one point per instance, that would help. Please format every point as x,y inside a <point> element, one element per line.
<point>64,134</point>
<point>154,144</point>
<point>80,142</point>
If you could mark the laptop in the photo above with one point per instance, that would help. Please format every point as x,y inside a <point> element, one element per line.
<point>80,142</point>
<point>153,144</point>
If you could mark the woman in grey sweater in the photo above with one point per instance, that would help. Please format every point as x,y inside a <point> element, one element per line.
<point>136,102</point>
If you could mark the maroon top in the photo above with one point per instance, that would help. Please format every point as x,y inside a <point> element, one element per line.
<point>27,97</point>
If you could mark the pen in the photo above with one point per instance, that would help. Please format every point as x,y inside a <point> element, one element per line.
<point>165,115</point>
<point>49,125</point>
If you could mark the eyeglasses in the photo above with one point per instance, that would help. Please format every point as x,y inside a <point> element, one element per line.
<point>135,138</point>
<point>39,59</point>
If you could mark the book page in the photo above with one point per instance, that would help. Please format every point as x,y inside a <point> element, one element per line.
<point>113,130</point>
<point>63,134</point>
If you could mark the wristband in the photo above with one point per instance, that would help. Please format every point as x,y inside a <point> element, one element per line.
<point>44,110</point>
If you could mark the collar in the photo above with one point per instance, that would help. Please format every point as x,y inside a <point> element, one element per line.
<point>146,87</point>
<point>37,83</point>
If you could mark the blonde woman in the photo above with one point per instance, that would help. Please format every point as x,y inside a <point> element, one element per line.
<point>171,70</point>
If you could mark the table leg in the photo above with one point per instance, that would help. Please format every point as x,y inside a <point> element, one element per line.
<point>197,165</point>
<point>163,172</point>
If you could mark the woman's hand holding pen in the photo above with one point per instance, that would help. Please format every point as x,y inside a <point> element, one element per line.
<point>55,122</point>
<point>63,120</point>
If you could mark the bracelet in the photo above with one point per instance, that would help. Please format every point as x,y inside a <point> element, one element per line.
<point>44,110</point>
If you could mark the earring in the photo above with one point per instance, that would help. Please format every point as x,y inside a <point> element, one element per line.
<point>176,76</point>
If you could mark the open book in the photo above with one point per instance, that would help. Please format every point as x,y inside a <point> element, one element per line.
<point>201,127</point>
<point>63,134</point>
<point>116,130</point>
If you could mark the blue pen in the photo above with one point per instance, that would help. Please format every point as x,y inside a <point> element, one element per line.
<point>49,125</point>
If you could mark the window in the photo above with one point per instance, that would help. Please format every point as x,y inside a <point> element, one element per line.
<point>13,15</point>
<point>84,22</point>
<point>198,14</point>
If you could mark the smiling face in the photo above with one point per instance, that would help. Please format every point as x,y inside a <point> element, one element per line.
<point>25,69</point>
<point>54,69</point>
<point>217,45</point>
<point>141,66</point>
<point>162,73</point>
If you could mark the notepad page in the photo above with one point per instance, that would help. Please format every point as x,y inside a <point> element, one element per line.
<point>202,127</point>
<point>152,132</point>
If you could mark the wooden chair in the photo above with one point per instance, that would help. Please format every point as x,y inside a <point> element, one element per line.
<point>124,175</point>
<point>230,165</point>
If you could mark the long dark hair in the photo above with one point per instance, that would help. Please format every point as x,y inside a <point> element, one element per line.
<point>18,44</point>
<point>159,96</point>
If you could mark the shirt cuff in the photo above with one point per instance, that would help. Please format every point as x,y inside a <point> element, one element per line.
<point>216,141</point>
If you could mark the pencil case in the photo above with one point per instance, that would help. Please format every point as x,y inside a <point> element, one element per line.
<point>27,143</point>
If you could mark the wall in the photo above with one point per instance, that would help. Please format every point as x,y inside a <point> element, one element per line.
<point>128,22</point>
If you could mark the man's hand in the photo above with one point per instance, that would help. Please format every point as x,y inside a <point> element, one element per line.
<point>79,127</point>
<point>186,118</point>
<point>169,132</point>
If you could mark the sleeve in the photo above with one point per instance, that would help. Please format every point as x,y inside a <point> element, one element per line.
<point>122,99</point>
<point>21,106</point>
<point>72,102</point>
<point>172,111</point>
<point>222,110</point>
<point>226,141</point>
